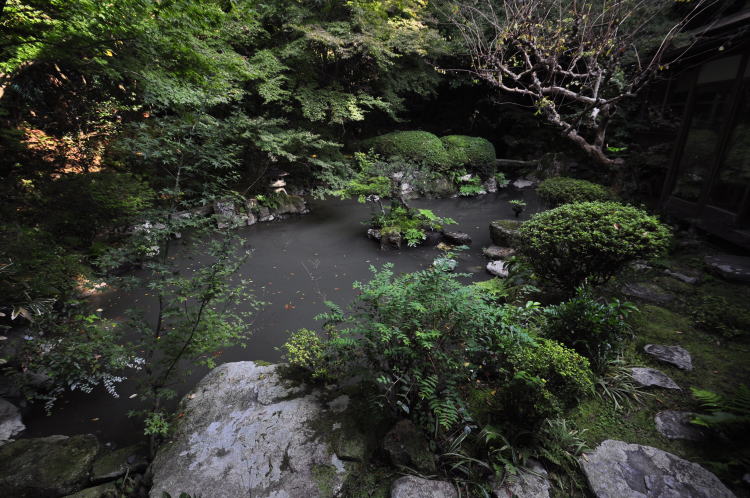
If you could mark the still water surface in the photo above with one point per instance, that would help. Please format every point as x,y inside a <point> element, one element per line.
<point>296,265</point>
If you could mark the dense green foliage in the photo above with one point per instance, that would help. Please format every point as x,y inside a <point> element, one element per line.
<point>717,315</point>
<point>434,348</point>
<point>409,224</point>
<point>468,151</point>
<point>590,240</point>
<point>562,190</point>
<point>416,146</point>
<point>595,329</point>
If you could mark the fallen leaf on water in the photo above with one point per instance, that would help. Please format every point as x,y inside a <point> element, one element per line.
<point>96,419</point>
<point>133,396</point>
<point>288,306</point>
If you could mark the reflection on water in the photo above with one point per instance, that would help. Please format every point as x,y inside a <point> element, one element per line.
<point>296,265</point>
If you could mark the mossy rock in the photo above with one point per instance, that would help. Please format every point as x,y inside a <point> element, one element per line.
<point>504,233</point>
<point>47,466</point>
<point>413,145</point>
<point>469,151</point>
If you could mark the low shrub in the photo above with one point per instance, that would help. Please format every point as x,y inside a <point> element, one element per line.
<point>717,315</point>
<point>594,328</point>
<point>414,145</point>
<point>305,350</point>
<point>442,355</point>
<point>591,241</point>
<point>468,151</point>
<point>410,224</point>
<point>562,190</point>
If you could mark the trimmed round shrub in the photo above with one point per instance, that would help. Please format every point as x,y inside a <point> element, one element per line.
<point>563,190</point>
<point>589,240</point>
<point>418,146</point>
<point>463,150</point>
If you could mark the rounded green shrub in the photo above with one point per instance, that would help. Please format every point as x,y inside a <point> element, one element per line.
<point>468,151</point>
<point>563,190</point>
<point>589,240</point>
<point>413,145</point>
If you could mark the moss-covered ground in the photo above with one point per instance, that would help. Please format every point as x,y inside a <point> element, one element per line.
<point>720,364</point>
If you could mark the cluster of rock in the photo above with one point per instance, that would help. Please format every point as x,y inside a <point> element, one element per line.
<point>249,432</point>
<point>504,235</point>
<point>67,465</point>
<point>229,213</point>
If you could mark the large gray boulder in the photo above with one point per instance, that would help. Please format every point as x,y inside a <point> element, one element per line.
<point>248,432</point>
<point>504,233</point>
<point>10,421</point>
<point>498,268</point>
<point>47,466</point>
<point>416,487</point>
<point>621,470</point>
<point>529,483</point>
<point>116,463</point>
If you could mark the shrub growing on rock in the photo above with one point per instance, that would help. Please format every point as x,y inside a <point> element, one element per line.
<point>414,145</point>
<point>563,190</point>
<point>589,240</point>
<point>468,151</point>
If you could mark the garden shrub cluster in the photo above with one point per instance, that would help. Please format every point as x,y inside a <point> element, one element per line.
<point>442,355</point>
<point>562,190</point>
<point>590,241</point>
<point>595,328</point>
<point>408,223</point>
<point>451,152</point>
<point>464,150</point>
<point>414,145</point>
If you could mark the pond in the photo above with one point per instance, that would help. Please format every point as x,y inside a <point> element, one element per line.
<point>296,265</point>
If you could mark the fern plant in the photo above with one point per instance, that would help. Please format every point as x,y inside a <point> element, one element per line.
<point>724,413</point>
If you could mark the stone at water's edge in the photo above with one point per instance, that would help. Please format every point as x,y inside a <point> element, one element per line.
<point>246,432</point>
<point>529,483</point>
<point>116,463</point>
<point>457,238</point>
<point>674,424</point>
<point>47,466</point>
<point>10,421</point>
<point>498,268</point>
<point>490,185</point>
<point>675,355</point>
<point>497,252</point>
<point>523,183</point>
<point>621,470</point>
<point>416,487</point>
<point>651,377</point>
<point>504,233</point>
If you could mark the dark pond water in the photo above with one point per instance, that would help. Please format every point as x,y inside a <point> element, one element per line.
<point>296,265</point>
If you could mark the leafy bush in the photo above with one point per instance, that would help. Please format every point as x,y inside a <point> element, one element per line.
<point>470,187</point>
<point>594,328</point>
<point>79,205</point>
<point>717,315</point>
<point>417,146</point>
<point>304,350</point>
<point>443,356</point>
<point>468,151</point>
<point>562,190</point>
<point>548,378</point>
<point>589,240</point>
<point>410,224</point>
<point>34,267</point>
